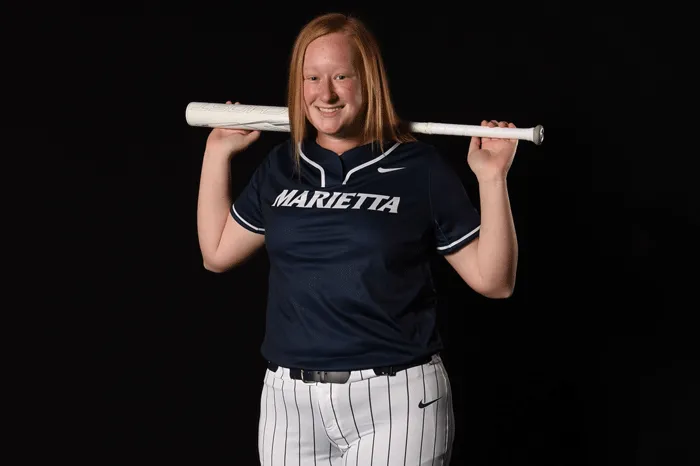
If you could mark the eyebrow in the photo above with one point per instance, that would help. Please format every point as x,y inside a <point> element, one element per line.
<point>339,70</point>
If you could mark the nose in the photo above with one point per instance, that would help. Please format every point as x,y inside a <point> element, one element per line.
<point>328,93</point>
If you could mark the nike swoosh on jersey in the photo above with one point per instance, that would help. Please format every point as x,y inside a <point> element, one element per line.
<point>387,170</point>
<point>422,405</point>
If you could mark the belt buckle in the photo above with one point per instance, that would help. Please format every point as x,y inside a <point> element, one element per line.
<point>390,371</point>
<point>308,376</point>
<point>321,376</point>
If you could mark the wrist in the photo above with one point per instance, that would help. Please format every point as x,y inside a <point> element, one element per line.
<point>492,180</point>
<point>218,154</point>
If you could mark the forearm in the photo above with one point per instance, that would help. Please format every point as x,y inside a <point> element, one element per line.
<point>213,203</point>
<point>497,253</point>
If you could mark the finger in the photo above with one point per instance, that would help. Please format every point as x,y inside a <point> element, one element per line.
<point>490,124</point>
<point>503,124</point>
<point>244,132</point>
<point>228,101</point>
<point>252,136</point>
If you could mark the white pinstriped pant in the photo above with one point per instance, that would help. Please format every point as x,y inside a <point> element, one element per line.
<point>369,421</point>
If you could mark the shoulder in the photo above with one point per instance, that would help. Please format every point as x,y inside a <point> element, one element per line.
<point>436,168</point>
<point>417,147</point>
<point>283,149</point>
<point>279,155</point>
<point>421,154</point>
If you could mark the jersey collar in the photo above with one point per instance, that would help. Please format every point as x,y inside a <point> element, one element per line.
<point>333,169</point>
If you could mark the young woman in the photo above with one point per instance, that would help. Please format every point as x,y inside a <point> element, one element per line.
<point>351,209</point>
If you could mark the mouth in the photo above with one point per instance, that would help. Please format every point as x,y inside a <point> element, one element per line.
<point>329,111</point>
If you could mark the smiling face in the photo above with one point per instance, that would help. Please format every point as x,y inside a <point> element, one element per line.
<point>333,88</point>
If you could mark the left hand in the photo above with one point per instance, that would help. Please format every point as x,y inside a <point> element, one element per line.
<point>491,158</point>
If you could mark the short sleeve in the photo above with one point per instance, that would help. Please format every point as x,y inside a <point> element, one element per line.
<point>456,221</point>
<point>247,208</point>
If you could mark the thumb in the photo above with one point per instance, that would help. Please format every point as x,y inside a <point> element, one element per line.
<point>474,144</point>
<point>252,136</point>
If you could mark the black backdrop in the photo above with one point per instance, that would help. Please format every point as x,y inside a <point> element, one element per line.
<point>592,361</point>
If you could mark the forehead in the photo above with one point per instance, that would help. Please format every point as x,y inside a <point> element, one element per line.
<point>335,48</point>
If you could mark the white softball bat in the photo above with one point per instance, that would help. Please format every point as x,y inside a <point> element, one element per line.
<point>272,118</point>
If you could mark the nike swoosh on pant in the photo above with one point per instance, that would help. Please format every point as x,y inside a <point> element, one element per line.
<point>423,405</point>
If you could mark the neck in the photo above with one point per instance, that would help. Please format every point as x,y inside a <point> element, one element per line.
<point>338,145</point>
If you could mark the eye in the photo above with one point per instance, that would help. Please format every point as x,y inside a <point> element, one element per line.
<point>340,77</point>
<point>311,78</point>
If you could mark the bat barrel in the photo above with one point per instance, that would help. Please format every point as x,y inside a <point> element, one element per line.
<point>255,117</point>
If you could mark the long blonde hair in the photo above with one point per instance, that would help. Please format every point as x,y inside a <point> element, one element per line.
<point>382,122</point>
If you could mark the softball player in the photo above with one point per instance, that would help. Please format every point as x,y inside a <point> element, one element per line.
<point>350,210</point>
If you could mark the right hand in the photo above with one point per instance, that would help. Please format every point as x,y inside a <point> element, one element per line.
<point>229,142</point>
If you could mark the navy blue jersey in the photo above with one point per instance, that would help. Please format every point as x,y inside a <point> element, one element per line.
<point>349,239</point>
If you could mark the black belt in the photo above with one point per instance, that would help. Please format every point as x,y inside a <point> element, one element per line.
<point>307,375</point>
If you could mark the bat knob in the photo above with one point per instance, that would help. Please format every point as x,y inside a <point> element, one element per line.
<point>538,134</point>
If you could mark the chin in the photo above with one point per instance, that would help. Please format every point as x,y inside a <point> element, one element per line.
<point>328,129</point>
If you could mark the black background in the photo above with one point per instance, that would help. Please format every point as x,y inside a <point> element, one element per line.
<point>592,361</point>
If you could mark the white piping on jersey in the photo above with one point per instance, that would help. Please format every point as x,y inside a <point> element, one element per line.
<point>323,173</point>
<point>320,168</point>
<point>375,160</point>
<point>245,221</point>
<point>441,248</point>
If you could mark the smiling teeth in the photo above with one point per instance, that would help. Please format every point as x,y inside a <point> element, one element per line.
<point>328,110</point>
